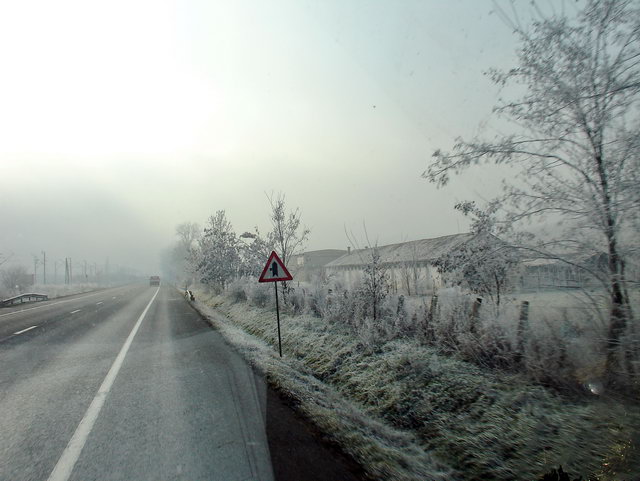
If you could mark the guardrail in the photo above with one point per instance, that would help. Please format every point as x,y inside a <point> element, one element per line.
<point>22,298</point>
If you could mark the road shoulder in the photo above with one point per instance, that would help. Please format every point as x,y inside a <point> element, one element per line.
<point>299,447</point>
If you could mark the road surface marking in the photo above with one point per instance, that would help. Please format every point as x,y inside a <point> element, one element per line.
<point>113,297</point>
<point>98,303</point>
<point>47,305</point>
<point>24,330</point>
<point>64,466</point>
<point>77,310</point>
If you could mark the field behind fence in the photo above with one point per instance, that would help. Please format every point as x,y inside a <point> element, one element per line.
<point>555,336</point>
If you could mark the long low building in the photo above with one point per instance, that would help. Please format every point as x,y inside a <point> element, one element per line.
<point>409,265</point>
<point>305,266</point>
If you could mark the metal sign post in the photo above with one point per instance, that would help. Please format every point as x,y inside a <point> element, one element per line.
<point>275,271</point>
<point>275,285</point>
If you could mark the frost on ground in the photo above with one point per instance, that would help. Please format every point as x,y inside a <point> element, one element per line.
<point>405,412</point>
<point>383,451</point>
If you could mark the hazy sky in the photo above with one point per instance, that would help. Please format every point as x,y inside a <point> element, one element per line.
<point>121,119</point>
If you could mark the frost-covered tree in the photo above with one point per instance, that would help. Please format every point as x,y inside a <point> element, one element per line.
<point>4,258</point>
<point>375,285</point>
<point>218,256</point>
<point>14,276</point>
<point>410,272</point>
<point>171,265</point>
<point>186,249</point>
<point>484,264</point>
<point>178,261</point>
<point>288,235</point>
<point>188,234</point>
<point>254,252</point>
<point>574,143</point>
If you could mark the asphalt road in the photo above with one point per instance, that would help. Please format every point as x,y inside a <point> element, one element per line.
<point>131,384</point>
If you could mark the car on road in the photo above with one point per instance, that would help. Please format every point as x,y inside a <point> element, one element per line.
<point>154,280</point>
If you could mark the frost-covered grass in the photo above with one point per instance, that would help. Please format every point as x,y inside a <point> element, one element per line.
<point>413,413</point>
<point>383,451</point>
<point>562,343</point>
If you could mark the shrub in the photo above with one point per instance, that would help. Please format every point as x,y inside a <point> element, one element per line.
<point>295,301</point>
<point>260,294</point>
<point>236,292</point>
<point>342,307</point>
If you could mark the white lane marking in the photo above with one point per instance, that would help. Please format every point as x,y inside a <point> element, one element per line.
<point>77,310</point>
<point>64,466</point>
<point>98,303</point>
<point>47,305</point>
<point>24,330</point>
<point>113,297</point>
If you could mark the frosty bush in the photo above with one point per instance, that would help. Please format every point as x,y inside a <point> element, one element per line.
<point>374,288</point>
<point>318,299</point>
<point>561,350</point>
<point>403,324</point>
<point>295,301</point>
<point>341,307</point>
<point>236,291</point>
<point>316,305</point>
<point>260,294</point>
<point>369,334</point>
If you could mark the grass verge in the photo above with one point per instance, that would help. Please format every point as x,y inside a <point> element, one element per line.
<point>404,412</point>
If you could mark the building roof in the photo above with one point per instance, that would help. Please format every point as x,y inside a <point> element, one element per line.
<point>319,253</point>
<point>423,250</point>
<point>315,259</point>
<point>324,252</point>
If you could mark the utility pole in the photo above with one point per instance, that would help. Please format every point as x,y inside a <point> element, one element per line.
<point>44,267</point>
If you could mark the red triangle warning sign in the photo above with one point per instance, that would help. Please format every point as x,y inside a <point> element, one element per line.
<point>275,270</point>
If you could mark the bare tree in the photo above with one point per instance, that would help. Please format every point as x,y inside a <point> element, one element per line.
<point>574,144</point>
<point>188,233</point>
<point>4,258</point>
<point>375,285</point>
<point>484,264</point>
<point>15,276</point>
<point>289,235</point>
<point>179,260</point>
